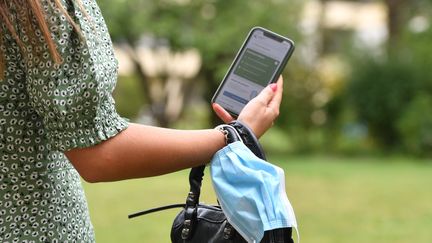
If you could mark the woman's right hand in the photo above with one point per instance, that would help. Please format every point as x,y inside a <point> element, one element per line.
<point>260,113</point>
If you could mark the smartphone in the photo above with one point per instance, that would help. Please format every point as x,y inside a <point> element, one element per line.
<point>259,62</point>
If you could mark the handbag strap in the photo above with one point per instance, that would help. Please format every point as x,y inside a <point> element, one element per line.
<point>153,210</point>
<point>235,131</point>
<point>195,180</point>
<point>249,138</point>
<point>191,210</point>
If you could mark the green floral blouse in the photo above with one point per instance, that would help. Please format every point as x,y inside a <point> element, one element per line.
<point>46,109</point>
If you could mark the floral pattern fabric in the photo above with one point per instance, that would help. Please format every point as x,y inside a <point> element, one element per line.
<point>45,110</point>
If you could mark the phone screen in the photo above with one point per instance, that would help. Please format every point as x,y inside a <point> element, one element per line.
<point>261,58</point>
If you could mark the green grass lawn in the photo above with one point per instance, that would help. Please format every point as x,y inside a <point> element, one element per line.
<point>335,200</point>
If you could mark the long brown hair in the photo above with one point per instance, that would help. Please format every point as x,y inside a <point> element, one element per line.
<point>30,14</point>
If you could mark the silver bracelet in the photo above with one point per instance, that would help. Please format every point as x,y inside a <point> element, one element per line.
<point>223,127</point>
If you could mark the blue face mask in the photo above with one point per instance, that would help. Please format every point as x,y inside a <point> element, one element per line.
<point>251,192</point>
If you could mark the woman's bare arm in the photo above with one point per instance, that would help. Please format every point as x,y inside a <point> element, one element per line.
<point>142,151</point>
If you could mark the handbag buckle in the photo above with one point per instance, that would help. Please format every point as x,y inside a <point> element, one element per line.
<point>228,232</point>
<point>186,229</point>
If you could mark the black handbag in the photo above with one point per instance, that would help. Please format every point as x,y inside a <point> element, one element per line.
<point>199,223</point>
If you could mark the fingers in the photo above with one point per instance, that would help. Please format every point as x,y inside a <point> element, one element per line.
<point>272,93</point>
<point>277,99</point>
<point>222,113</point>
<point>267,94</point>
<point>259,114</point>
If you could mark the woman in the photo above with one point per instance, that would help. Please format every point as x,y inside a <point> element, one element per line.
<point>58,121</point>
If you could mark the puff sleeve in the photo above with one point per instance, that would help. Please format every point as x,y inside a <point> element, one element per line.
<point>74,98</point>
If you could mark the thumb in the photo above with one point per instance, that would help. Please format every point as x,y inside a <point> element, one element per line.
<point>222,113</point>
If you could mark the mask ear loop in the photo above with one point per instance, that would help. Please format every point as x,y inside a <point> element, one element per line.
<point>284,197</point>
<point>297,233</point>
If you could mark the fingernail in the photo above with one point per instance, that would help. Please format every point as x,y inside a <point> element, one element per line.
<point>273,87</point>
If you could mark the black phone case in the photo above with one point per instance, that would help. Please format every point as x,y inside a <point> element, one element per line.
<point>236,59</point>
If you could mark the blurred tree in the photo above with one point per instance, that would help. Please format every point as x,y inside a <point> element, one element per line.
<point>381,86</point>
<point>399,14</point>
<point>315,76</point>
<point>415,125</point>
<point>215,27</point>
<point>380,92</point>
<point>303,83</point>
<point>389,92</point>
<point>396,17</point>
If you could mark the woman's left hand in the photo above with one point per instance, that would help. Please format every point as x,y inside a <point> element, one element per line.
<point>260,113</point>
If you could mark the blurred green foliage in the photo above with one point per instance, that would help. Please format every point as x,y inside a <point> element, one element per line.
<point>415,125</point>
<point>392,94</point>
<point>348,99</point>
<point>132,98</point>
<point>215,28</point>
<point>380,92</point>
